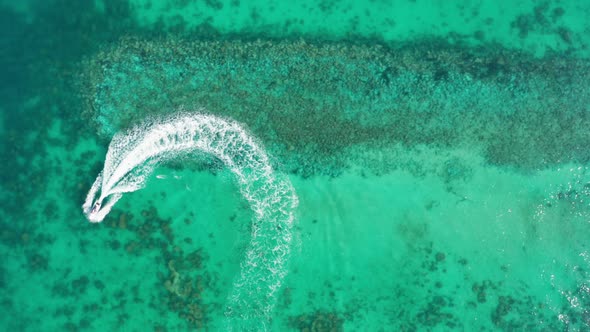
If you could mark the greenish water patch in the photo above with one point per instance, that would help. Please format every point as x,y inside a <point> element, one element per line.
<point>538,27</point>
<point>438,150</point>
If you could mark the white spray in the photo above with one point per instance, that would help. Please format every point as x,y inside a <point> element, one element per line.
<point>131,158</point>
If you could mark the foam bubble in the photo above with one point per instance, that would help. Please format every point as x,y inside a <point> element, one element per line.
<point>131,158</point>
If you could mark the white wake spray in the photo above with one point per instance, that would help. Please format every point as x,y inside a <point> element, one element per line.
<point>131,158</point>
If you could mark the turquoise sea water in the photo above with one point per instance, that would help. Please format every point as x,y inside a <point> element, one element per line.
<point>438,151</point>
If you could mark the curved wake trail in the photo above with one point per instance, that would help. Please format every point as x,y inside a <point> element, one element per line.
<point>131,158</point>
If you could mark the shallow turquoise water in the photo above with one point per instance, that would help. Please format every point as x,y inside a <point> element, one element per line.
<point>438,153</point>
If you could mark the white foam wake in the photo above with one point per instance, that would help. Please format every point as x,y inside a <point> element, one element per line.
<point>131,158</point>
